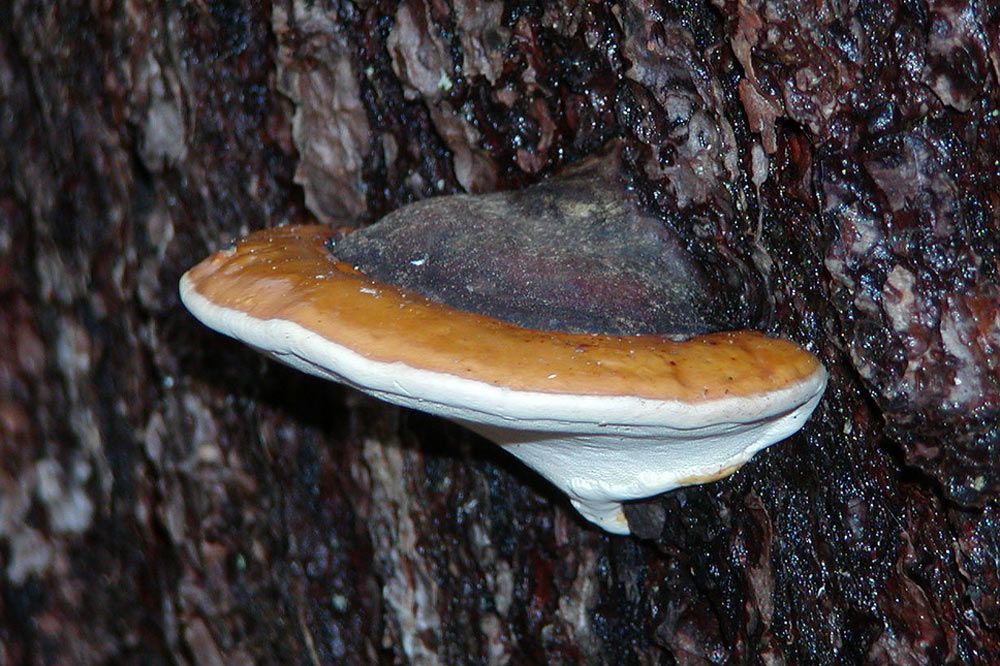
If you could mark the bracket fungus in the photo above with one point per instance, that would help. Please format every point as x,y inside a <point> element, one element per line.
<point>558,321</point>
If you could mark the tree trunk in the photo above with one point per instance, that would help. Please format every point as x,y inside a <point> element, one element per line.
<point>167,496</point>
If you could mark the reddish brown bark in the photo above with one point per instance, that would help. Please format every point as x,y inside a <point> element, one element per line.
<point>166,496</point>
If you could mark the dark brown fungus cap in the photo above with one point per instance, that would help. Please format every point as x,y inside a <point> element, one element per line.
<point>571,254</point>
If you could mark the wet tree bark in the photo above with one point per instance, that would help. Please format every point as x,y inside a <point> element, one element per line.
<point>167,496</point>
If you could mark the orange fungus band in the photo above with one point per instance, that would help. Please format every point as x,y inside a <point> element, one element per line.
<point>288,273</point>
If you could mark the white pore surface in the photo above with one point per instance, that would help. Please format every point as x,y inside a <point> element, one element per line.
<point>599,450</point>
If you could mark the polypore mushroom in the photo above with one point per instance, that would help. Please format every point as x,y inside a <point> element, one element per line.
<point>606,417</point>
